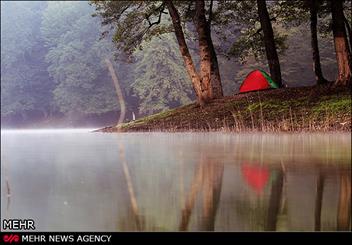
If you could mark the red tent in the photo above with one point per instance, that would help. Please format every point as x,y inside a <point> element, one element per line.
<point>257,80</point>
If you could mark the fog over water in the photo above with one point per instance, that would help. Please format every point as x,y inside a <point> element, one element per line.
<point>74,180</point>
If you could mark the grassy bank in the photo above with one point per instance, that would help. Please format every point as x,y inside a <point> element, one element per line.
<point>317,108</point>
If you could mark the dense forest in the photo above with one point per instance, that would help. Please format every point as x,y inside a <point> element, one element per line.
<point>52,56</point>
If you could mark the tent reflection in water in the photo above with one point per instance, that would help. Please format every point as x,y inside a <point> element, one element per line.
<point>256,176</point>
<point>257,80</point>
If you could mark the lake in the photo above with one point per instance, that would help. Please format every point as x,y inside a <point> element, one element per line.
<point>75,180</point>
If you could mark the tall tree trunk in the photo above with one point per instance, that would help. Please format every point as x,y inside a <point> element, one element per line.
<point>209,68</point>
<point>204,49</point>
<point>215,72</point>
<point>314,41</point>
<point>270,47</point>
<point>340,40</point>
<point>214,69</point>
<point>207,83</point>
<point>187,58</point>
<point>349,36</point>
<point>118,91</point>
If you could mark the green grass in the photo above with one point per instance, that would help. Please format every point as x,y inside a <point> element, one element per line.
<point>334,105</point>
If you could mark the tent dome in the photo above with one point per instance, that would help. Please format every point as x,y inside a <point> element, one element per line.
<point>257,80</point>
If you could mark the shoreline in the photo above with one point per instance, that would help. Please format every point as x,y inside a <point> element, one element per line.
<point>319,108</point>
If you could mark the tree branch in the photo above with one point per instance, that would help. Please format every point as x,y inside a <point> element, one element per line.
<point>159,9</point>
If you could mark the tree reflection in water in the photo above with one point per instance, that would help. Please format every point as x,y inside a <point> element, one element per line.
<point>275,195</point>
<point>344,206</point>
<point>207,181</point>
<point>319,200</point>
<point>275,200</point>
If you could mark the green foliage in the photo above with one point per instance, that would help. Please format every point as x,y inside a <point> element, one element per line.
<point>52,61</point>
<point>76,58</point>
<point>251,43</point>
<point>23,69</point>
<point>160,79</point>
<point>133,21</point>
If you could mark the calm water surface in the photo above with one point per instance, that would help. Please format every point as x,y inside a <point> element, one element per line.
<point>74,180</point>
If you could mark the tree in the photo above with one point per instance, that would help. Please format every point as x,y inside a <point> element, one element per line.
<point>270,46</point>
<point>296,11</point>
<point>341,45</point>
<point>136,21</point>
<point>198,85</point>
<point>208,60</point>
<point>313,6</point>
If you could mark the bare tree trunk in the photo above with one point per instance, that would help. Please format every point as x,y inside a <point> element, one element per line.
<point>207,83</point>
<point>270,47</point>
<point>118,91</point>
<point>214,69</point>
<point>341,46</point>
<point>204,49</point>
<point>349,36</point>
<point>187,58</point>
<point>314,41</point>
<point>215,73</point>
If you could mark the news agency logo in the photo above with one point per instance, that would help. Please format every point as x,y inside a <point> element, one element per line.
<point>18,224</point>
<point>51,238</point>
<point>11,238</point>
